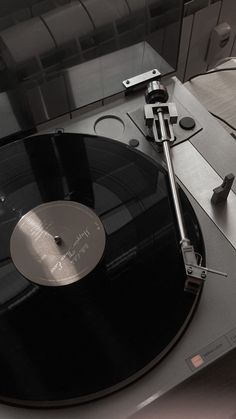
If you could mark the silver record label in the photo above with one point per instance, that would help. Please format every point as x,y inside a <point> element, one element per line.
<point>57,243</point>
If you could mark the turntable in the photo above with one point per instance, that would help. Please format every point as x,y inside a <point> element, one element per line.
<point>118,267</point>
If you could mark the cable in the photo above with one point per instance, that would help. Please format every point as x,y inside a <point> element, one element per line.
<point>210,72</point>
<point>223,120</point>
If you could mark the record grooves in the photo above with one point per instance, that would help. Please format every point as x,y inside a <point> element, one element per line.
<point>82,340</point>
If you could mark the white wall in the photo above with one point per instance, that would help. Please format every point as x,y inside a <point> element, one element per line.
<point>196,32</point>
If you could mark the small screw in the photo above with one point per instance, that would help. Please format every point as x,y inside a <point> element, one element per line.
<point>154,72</point>
<point>127,82</point>
<point>190,270</point>
<point>203,275</point>
<point>58,240</point>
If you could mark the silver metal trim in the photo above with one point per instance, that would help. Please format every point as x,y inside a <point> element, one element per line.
<point>141,78</point>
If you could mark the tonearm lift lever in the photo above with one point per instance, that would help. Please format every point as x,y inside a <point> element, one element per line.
<point>160,116</point>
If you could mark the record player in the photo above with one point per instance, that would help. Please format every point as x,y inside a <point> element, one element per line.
<point>118,261</point>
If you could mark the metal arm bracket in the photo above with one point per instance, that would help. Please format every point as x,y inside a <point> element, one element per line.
<point>168,109</point>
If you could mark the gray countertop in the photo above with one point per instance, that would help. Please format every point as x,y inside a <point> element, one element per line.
<point>217,92</point>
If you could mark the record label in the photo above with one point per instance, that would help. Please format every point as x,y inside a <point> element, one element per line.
<point>57,243</point>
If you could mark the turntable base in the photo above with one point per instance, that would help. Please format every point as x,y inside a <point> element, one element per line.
<point>200,161</point>
<point>96,251</point>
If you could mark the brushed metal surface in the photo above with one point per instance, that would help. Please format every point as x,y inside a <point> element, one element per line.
<point>209,394</point>
<point>200,180</point>
<point>214,143</point>
<point>57,243</point>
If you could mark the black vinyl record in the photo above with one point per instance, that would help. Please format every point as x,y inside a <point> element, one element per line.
<point>73,199</point>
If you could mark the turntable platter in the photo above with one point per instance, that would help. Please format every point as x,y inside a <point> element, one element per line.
<point>109,325</point>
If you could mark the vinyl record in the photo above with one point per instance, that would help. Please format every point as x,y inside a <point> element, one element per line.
<point>91,276</point>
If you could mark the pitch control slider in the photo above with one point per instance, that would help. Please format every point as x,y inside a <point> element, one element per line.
<point>159,118</point>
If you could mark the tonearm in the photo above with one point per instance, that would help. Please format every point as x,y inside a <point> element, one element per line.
<point>160,116</point>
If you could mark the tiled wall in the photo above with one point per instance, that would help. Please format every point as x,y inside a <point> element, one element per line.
<point>15,11</point>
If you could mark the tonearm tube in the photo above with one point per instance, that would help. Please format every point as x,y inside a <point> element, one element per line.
<point>160,116</point>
